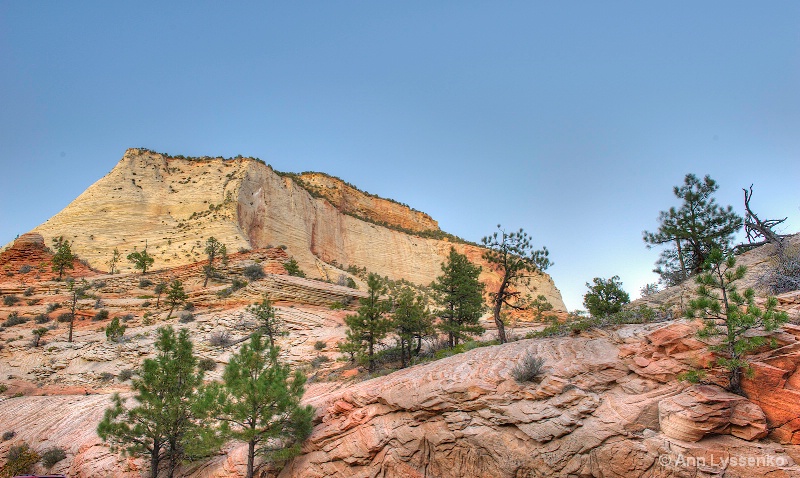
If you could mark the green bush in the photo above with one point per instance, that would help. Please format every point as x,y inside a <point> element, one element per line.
<point>145,283</point>
<point>206,364</point>
<point>65,317</point>
<point>101,315</point>
<point>185,317</point>
<point>115,330</point>
<point>29,292</point>
<point>10,300</point>
<point>254,272</point>
<point>14,319</point>
<point>319,345</point>
<point>9,435</point>
<point>125,375</point>
<point>53,455</point>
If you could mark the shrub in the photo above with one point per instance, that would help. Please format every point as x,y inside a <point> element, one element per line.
<point>102,315</point>
<point>145,283</point>
<point>528,369</point>
<point>20,460</point>
<point>106,376</point>
<point>25,269</point>
<point>9,435</point>
<point>52,306</point>
<point>65,317</point>
<point>146,304</point>
<point>319,360</point>
<point>220,339</point>
<point>185,317</point>
<point>188,306</point>
<point>29,291</point>
<point>125,375</point>
<point>206,364</point>
<point>53,455</point>
<point>127,317</point>
<point>254,272</point>
<point>14,319</point>
<point>319,345</point>
<point>605,296</point>
<point>10,300</point>
<point>336,306</point>
<point>3,387</point>
<point>782,273</point>
<point>34,301</point>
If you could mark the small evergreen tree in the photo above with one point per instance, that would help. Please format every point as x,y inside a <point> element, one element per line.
<point>293,268</point>
<point>112,264</point>
<point>38,334</point>
<point>260,403</point>
<point>459,295</point>
<point>411,320</point>
<point>513,256</point>
<point>115,330</point>
<point>169,421</point>
<point>370,325</point>
<point>77,292</point>
<point>213,249</point>
<point>159,289</point>
<point>63,257</point>
<point>540,305</point>
<point>732,315</point>
<point>605,296</point>
<point>692,230</point>
<point>175,296</point>
<point>141,260</point>
<point>269,323</point>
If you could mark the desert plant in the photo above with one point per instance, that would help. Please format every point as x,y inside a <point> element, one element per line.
<point>63,257</point>
<point>141,261</point>
<point>528,369</point>
<point>10,300</point>
<point>25,269</point>
<point>293,268</point>
<point>19,461</point>
<point>605,296</point>
<point>206,364</point>
<point>53,455</point>
<point>253,272</point>
<point>52,306</point>
<point>185,317</point>
<point>175,296</point>
<point>319,345</point>
<point>8,435</point>
<point>14,319</point>
<point>101,315</point>
<point>125,375</point>
<point>38,334</point>
<point>29,291</point>
<point>145,283</point>
<point>220,339</point>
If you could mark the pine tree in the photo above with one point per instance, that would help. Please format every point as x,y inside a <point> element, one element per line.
<point>77,292</point>
<point>605,296</point>
<point>370,325</point>
<point>175,296</point>
<point>141,260</point>
<point>732,315</point>
<point>692,231</point>
<point>169,421</point>
<point>63,257</point>
<point>411,320</point>
<point>540,305</point>
<point>513,256</point>
<point>269,323</point>
<point>159,289</point>
<point>459,293</point>
<point>213,249</point>
<point>260,403</point>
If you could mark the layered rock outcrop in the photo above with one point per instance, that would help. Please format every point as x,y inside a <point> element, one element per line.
<point>171,205</point>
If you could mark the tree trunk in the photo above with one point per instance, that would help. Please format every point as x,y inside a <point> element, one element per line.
<point>251,456</point>
<point>71,322</point>
<point>371,361</point>
<point>154,460</point>
<point>501,327</point>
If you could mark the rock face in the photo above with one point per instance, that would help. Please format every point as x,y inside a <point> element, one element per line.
<point>704,410</point>
<point>172,205</point>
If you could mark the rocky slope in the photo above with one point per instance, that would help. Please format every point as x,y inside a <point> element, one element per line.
<point>172,205</point>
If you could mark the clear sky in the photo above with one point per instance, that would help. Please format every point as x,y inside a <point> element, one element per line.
<point>570,119</point>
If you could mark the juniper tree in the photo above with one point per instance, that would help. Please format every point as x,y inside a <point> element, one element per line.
<point>605,297</point>
<point>513,256</point>
<point>141,260</point>
<point>213,249</point>
<point>63,257</point>
<point>732,315</point>
<point>411,320</point>
<point>370,325</point>
<point>169,421</point>
<point>175,296</point>
<point>259,403</point>
<point>692,230</point>
<point>269,323</point>
<point>459,295</point>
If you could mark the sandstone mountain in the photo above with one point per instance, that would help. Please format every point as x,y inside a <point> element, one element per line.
<point>172,204</point>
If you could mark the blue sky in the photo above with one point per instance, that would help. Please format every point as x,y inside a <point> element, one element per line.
<point>572,120</point>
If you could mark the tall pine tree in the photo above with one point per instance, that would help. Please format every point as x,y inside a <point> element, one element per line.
<point>260,403</point>
<point>459,294</point>
<point>411,320</point>
<point>370,325</point>
<point>692,231</point>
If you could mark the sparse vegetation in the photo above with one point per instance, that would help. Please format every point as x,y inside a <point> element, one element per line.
<point>14,319</point>
<point>101,315</point>
<point>293,268</point>
<point>10,300</point>
<point>38,334</point>
<point>8,435</point>
<point>220,339</point>
<point>53,455</point>
<point>125,375</point>
<point>528,369</point>
<point>115,330</point>
<point>19,461</point>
